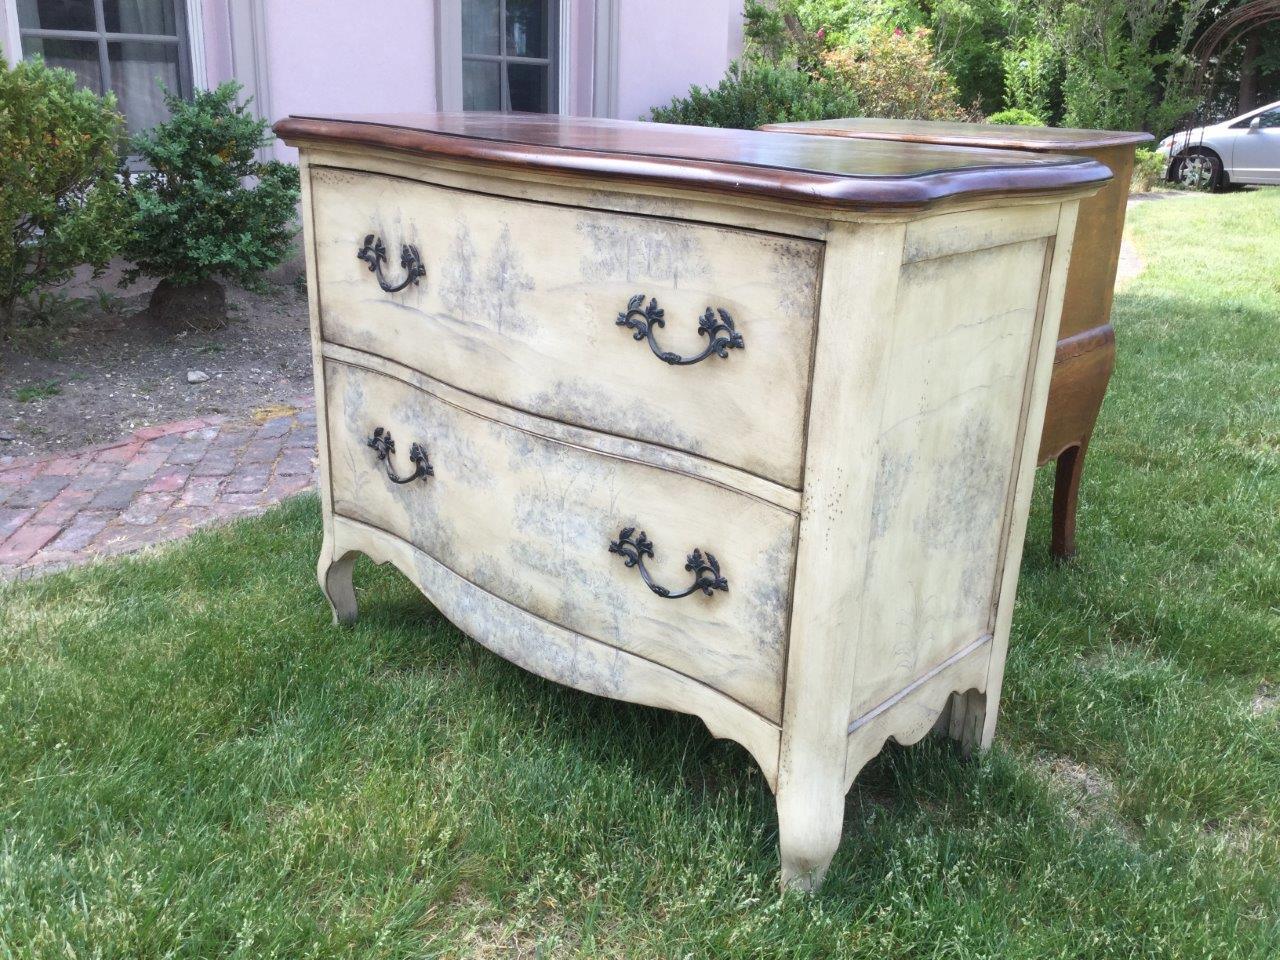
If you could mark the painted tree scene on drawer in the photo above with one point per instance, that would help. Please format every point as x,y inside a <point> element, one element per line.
<point>602,478</point>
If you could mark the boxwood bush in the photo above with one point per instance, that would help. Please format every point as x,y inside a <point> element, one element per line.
<point>1015,117</point>
<point>760,92</point>
<point>207,208</point>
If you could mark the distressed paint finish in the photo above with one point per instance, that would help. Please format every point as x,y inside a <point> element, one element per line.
<point>530,293</point>
<point>530,520</point>
<point>930,359</point>
<point>541,647</point>
<point>962,333</point>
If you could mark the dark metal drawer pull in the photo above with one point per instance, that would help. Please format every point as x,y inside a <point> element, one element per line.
<point>704,567</point>
<point>382,442</point>
<point>720,333</point>
<point>374,253</point>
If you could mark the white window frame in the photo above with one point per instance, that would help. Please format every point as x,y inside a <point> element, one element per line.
<point>191,55</point>
<point>597,13</point>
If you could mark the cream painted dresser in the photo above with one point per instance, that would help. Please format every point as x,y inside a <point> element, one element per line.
<point>733,423</point>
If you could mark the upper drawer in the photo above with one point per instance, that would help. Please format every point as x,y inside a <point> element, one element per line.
<point>520,302</point>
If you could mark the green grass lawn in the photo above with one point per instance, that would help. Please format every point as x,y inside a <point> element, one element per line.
<point>196,764</point>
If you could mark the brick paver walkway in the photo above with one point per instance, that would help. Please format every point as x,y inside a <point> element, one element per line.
<point>158,484</point>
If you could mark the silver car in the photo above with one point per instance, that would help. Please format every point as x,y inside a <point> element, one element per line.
<point>1245,149</point>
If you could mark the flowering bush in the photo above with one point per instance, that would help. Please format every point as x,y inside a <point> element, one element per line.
<point>893,73</point>
<point>59,193</point>
<point>1148,171</point>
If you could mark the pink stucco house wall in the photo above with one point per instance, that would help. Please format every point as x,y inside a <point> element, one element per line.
<point>606,58</point>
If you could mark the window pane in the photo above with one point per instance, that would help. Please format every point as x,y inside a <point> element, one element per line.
<point>140,16</point>
<point>137,71</point>
<point>527,28</point>
<point>1270,119</point>
<point>529,88</point>
<point>480,31</point>
<point>78,56</point>
<point>480,89</point>
<point>56,15</point>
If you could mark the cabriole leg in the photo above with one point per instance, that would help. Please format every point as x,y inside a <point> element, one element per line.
<point>967,715</point>
<point>810,822</point>
<point>1066,490</point>
<point>334,574</point>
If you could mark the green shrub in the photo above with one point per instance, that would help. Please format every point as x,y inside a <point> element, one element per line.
<point>752,94</point>
<point>1016,118</point>
<point>1148,170</point>
<point>59,191</point>
<point>208,208</point>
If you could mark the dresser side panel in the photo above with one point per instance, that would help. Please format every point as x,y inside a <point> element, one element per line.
<point>1036,400</point>
<point>964,333</point>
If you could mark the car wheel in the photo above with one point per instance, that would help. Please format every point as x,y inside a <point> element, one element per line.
<point>1200,170</point>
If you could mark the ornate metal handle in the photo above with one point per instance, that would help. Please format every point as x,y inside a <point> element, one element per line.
<point>382,442</point>
<point>374,253</point>
<point>704,567</point>
<point>721,334</point>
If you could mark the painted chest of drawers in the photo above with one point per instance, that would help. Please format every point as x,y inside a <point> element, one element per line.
<point>731,423</point>
<point>1086,350</point>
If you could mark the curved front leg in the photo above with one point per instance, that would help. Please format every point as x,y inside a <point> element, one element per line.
<point>810,824</point>
<point>334,575</point>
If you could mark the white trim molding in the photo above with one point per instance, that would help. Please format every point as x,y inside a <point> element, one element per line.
<point>195,45</point>
<point>604,87</point>
<point>449,54</point>
<point>10,38</point>
<point>564,59</point>
<point>249,61</point>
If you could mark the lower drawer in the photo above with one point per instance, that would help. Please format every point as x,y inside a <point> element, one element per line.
<point>540,523</point>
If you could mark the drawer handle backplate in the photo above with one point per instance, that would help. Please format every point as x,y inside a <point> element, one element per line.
<point>717,327</point>
<point>704,567</point>
<point>381,441</point>
<point>374,253</point>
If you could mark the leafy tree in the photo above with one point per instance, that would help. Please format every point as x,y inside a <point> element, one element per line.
<point>1031,68</point>
<point>60,201</point>
<point>1124,61</point>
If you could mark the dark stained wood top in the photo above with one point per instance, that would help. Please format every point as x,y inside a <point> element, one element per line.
<point>993,135</point>
<point>817,171</point>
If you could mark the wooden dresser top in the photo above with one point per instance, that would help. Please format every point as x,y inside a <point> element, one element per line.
<point>998,136</point>
<point>828,172</point>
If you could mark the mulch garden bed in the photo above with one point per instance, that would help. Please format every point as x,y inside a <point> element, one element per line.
<point>105,367</point>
